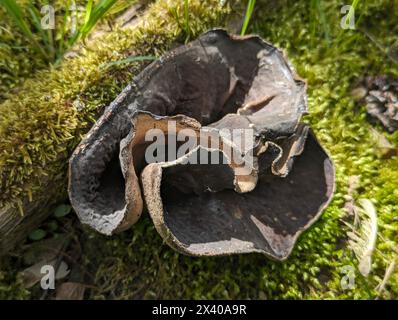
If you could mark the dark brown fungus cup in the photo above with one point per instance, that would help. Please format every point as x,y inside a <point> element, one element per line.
<point>258,197</point>
<point>267,220</point>
<point>138,146</point>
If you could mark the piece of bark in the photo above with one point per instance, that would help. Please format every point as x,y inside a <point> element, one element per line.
<point>15,226</point>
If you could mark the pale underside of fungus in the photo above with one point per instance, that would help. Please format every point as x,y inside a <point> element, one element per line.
<point>260,194</point>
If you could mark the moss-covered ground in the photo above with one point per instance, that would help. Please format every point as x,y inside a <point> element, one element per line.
<point>136,264</point>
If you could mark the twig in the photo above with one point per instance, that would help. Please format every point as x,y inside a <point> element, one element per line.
<point>387,276</point>
<point>379,45</point>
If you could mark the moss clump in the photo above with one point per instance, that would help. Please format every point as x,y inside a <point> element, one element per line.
<point>11,285</point>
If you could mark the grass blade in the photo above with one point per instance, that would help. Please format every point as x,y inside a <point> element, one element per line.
<point>46,35</point>
<point>89,9</point>
<point>249,13</point>
<point>62,35</point>
<point>93,15</point>
<point>186,15</point>
<point>128,60</point>
<point>351,13</point>
<point>98,12</point>
<point>14,10</point>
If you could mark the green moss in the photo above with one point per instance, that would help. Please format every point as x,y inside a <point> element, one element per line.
<point>19,58</point>
<point>136,264</point>
<point>11,285</point>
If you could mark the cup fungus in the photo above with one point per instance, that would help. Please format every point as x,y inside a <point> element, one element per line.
<point>238,171</point>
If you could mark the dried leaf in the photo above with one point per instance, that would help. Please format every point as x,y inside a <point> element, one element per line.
<point>383,146</point>
<point>349,206</point>
<point>37,235</point>
<point>363,240</point>
<point>70,291</point>
<point>44,250</point>
<point>33,275</point>
<point>389,271</point>
<point>62,210</point>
